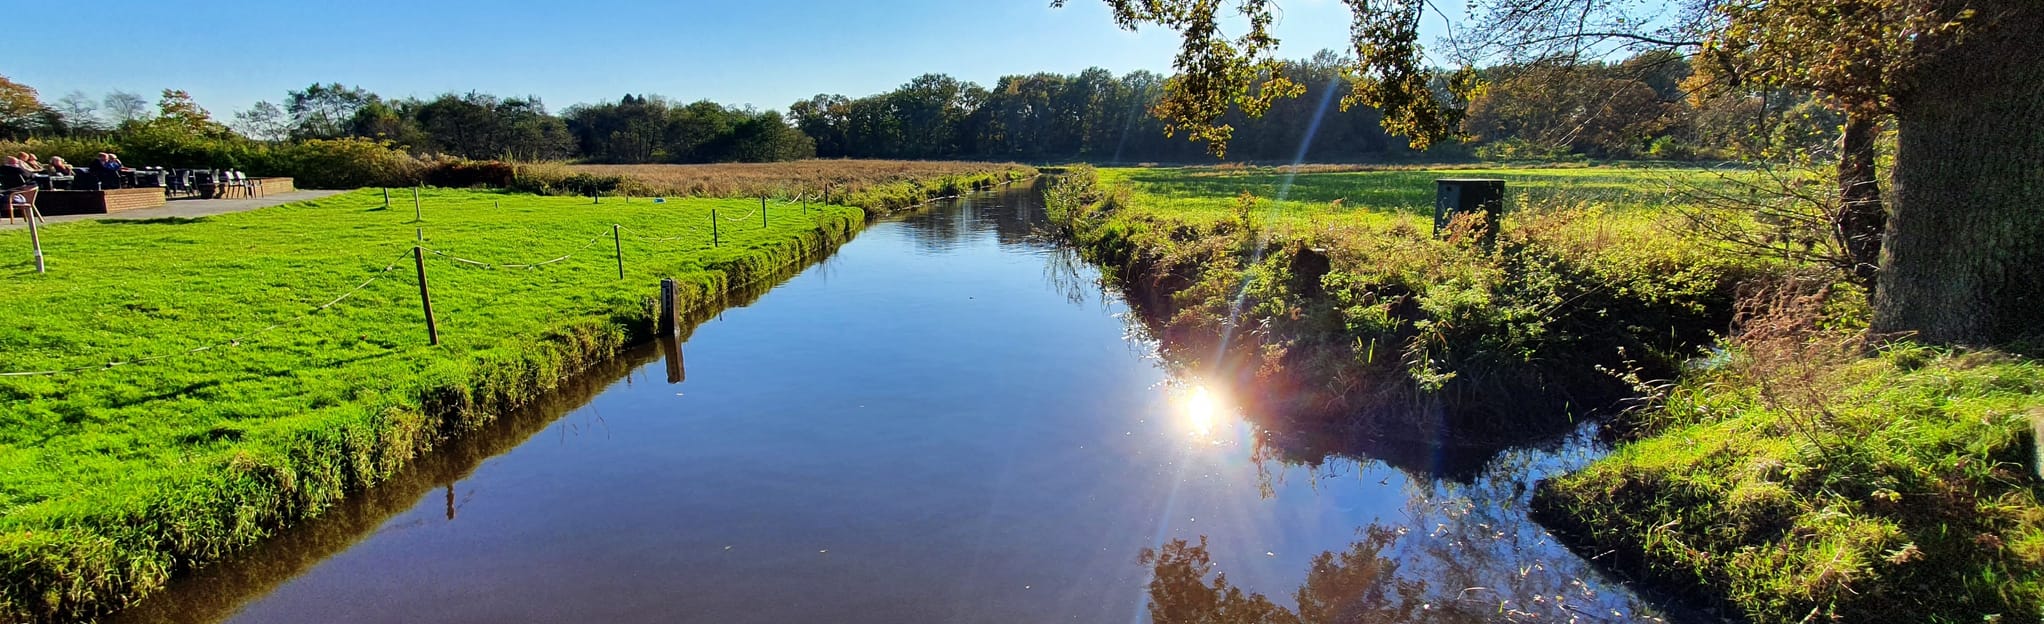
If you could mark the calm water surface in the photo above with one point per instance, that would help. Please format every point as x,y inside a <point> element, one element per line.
<point>947,421</point>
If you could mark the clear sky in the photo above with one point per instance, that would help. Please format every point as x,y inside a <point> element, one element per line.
<point>768,53</point>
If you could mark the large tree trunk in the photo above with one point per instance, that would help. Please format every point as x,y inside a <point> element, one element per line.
<point>1861,220</point>
<point>1964,260</point>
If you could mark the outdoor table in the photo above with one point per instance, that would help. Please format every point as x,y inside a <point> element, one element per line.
<point>49,182</point>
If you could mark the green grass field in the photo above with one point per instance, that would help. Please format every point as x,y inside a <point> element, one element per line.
<point>113,478</point>
<point>1205,194</point>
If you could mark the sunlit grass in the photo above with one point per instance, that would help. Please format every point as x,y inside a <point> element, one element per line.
<point>1859,489</point>
<point>1384,196</point>
<point>112,478</point>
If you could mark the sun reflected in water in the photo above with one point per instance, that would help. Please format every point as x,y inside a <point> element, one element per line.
<point>1202,411</point>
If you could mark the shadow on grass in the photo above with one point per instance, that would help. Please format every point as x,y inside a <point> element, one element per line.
<point>154,221</point>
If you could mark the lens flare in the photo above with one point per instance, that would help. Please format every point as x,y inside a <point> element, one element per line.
<point>1202,410</point>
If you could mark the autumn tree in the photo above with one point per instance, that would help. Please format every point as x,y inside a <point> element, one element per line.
<point>177,109</point>
<point>1963,81</point>
<point>20,110</point>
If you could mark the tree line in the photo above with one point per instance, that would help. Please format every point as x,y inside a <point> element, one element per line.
<point>1634,108</point>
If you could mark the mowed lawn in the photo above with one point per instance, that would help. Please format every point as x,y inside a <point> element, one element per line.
<point>1328,194</point>
<point>108,441</point>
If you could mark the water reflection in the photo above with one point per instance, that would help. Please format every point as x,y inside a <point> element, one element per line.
<point>670,350</point>
<point>1201,409</point>
<point>1457,552</point>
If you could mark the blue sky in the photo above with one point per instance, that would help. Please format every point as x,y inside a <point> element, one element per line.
<point>767,53</point>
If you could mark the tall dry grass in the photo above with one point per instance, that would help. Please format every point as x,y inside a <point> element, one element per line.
<point>790,178</point>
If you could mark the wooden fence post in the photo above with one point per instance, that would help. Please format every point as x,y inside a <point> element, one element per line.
<point>425,296</point>
<point>762,212</point>
<point>386,198</point>
<point>417,215</point>
<point>618,240</point>
<point>713,228</point>
<point>34,237</point>
<point>670,295</point>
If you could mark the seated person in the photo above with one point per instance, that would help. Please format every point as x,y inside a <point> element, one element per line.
<point>15,174</point>
<point>108,171</point>
<point>57,166</point>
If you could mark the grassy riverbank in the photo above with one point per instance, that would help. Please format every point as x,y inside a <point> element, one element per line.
<point>1338,298</point>
<point>1790,476</point>
<point>113,478</point>
<point>879,186</point>
<point>1804,481</point>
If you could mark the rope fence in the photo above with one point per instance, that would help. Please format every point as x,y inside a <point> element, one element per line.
<point>418,252</point>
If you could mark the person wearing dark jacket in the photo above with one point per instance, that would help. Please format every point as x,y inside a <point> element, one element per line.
<point>15,175</point>
<point>108,171</point>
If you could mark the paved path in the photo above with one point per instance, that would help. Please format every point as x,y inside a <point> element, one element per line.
<point>188,208</point>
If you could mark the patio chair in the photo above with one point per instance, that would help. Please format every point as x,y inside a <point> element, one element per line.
<point>176,183</point>
<point>21,200</point>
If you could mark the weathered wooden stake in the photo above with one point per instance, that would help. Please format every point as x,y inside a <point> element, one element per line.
<point>386,198</point>
<point>670,300</point>
<point>35,237</point>
<point>425,296</point>
<point>417,215</point>
<point>805,204</point>
<point>762,212</point>
<point>713,228</point>
<point>671,347</point>
<point>620,242</point>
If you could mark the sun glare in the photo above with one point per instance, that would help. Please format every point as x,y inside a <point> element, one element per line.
<point>1202,410</point>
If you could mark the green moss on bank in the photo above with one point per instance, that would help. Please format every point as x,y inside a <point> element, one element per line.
<point>1340,300</point>
<point>114,479</point>
<point>1896,488</point>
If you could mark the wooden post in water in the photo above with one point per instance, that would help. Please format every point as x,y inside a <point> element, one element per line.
<point>671,348</point>
<point>35,237</point>
<point>618,240</point>
<point>425,296</point>
<point>713,228</point>
<point>670,299</point>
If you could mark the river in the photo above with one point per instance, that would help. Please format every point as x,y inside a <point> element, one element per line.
<point>947,420</point>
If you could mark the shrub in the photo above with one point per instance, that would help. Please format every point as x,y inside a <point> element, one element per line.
<point>464,173</point>
<point>351,163</point>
